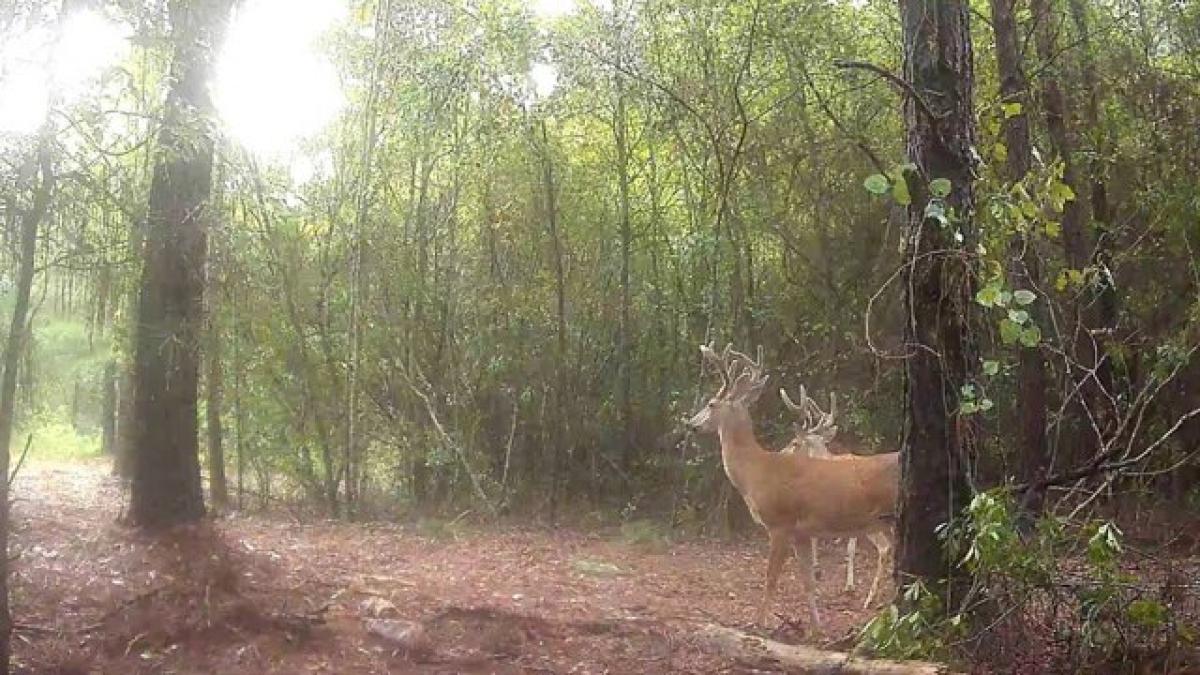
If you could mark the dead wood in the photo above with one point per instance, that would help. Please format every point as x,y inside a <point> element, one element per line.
<point>762,653</point>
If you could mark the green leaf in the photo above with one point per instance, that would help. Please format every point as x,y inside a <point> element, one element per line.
<point>1011,110</point>
<point>1010,332</point>
<point>1031,336</point>
<point>1005,298</point>
<point>1147,613</point>
<point>986,404</point>
<point>940,187</point>
<point>1000,150</point>
<point>990,368</point>
<point>1018,316</point>
<point>1024,297</point>
<point>900,191</point>
<point>988,296</point>
<point>967,408</point>
<point>876,184</point>
<point>1060,194</point>
<point>1053,229</point>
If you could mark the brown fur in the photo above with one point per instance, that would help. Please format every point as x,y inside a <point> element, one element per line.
<point>794,496</point>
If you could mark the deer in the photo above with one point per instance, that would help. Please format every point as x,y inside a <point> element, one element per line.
<point>817,431</point>
<point>793,496</point>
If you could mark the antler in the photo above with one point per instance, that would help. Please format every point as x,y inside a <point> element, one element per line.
<point>813,419</point>
<point>721,363</point>
<point>740,374</point>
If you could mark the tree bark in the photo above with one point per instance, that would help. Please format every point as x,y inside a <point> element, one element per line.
<point>624,358</point>
<point>938,294</point>
<point>218,487</point>
<point>18,335</point>
<point>1024,269</point>
<point>108,410</point>
<point>561,432</point>
<point>1077,238</point>
<point>166,469</point>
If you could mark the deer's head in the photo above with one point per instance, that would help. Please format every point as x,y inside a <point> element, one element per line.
<point>816,427</point>
<point>742,382</point>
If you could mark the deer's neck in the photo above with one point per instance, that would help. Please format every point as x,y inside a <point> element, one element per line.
<point>739,448</point>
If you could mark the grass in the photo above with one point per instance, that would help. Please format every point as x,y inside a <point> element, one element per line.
<point>55,440</point>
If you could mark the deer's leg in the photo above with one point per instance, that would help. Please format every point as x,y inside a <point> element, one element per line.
<point>780,545</point>
<point>883,544</point>
<point>810,582</point>
<point>851,546</point>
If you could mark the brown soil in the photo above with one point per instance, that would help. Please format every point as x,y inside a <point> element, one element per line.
<point>265,594</point>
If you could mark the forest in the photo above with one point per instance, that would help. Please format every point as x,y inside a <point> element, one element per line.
<point>494,335</point>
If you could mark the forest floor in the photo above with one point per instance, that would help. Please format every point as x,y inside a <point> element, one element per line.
<point>267,594</point>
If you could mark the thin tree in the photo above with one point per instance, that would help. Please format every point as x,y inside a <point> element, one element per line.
<point>14,348</point>
<point>1024,269</point>
<point>941,137</point>
<point>166,465</point>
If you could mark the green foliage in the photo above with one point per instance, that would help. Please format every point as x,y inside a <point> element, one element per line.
<point>922,631</point>
<point>876,184</point>
<point>55,440</point>
<point>1068,580</point>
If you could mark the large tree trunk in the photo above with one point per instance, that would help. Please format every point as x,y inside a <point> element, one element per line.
<point>18,334</point>
<point>166,466</point>
<point>1024,270</point>
<point>938,295</point>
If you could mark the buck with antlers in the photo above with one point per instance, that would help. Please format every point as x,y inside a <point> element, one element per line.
<point>792,495</point>
<point>816,433</point>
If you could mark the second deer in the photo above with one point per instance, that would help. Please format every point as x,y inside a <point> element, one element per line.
<point>792,495</point>
<point>817,431</point>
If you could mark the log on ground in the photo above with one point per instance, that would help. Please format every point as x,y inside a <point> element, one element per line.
<point>762,653</point>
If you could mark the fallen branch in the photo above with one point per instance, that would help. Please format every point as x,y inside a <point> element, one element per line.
<point>20,460</point>
<point>125,604</point>
<point>762,653</point>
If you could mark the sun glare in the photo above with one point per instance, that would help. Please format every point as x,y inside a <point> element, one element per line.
<point>273,88</point>
<point>544,78</point>
<point>32,64</point>
<point>553,9</point>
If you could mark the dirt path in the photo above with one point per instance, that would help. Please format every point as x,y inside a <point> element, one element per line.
<point>264,594</point>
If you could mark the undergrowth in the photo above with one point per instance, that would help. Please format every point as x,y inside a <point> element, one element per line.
<point>1061,597</point>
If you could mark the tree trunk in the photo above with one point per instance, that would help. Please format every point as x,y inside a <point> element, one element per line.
<point>1080,439</point>
<point>217,486</point>
<point>166,466</point>
<point>1104,313</point>
<point>938,294</point>
<point>561,432</point>
<point>18,334</point>
<point>1024,271</point>
<point>108,410</point>
<point>624,358</point>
